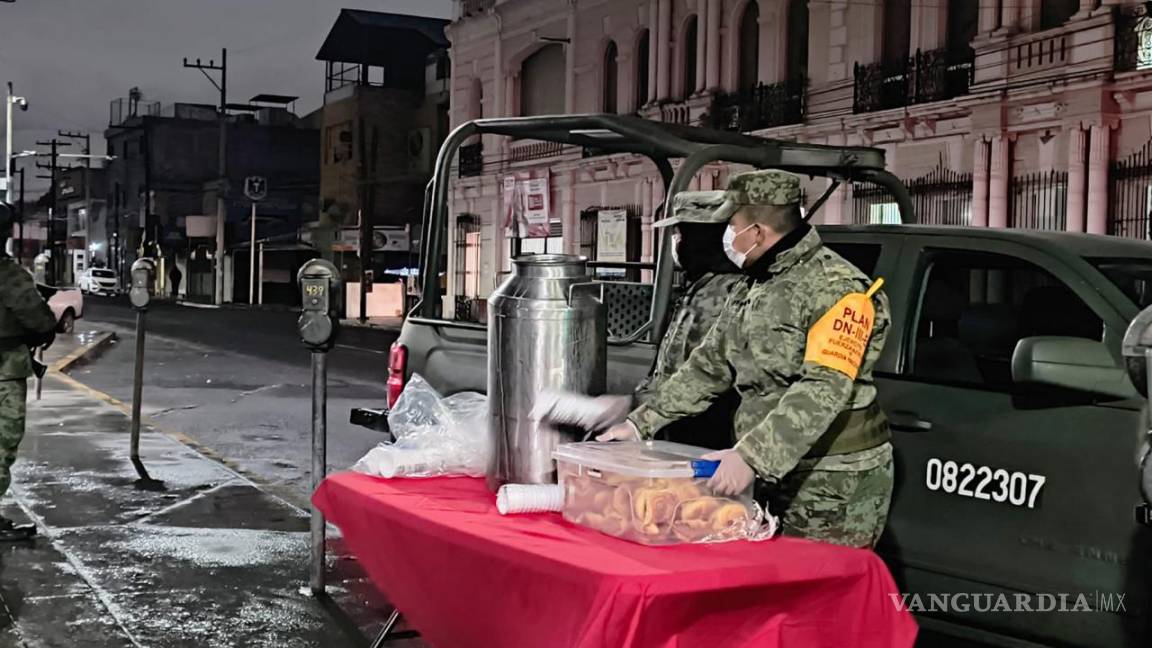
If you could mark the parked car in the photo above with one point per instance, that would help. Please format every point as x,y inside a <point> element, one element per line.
<point>99,281</point>
<point>1016,426</point>
<point>67,305</point>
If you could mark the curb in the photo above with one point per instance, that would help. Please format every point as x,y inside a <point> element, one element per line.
<point>85,354</point>
<point>147,423</point>
<point>355,323</point>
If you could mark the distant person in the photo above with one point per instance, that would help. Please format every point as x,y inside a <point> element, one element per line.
<point>174,275</point>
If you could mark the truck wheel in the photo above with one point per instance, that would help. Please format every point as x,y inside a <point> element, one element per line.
<point>67,322</point>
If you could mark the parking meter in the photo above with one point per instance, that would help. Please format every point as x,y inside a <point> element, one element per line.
<point>1137,349</point>
<point>143,276</point>
<point>319,322</point>
<point>320,290</point>
<point>140,294</point>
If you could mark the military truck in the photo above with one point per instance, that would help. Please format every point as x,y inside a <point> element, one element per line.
<point>1016,424</point>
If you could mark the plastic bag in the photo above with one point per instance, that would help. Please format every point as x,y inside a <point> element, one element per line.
<point>435,436</point>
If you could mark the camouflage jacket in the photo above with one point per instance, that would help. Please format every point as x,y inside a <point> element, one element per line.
<point>23,314</point>
<point>758,346</point>
<point>697,312</point>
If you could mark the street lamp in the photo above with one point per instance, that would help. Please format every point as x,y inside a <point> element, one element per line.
<point>12,100</point>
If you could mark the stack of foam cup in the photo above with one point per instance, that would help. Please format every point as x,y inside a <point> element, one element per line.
<point>400,462</point>
<point>529,498</point>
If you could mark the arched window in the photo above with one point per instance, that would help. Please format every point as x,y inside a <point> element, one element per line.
<point>690,72</point>
<point>1054,13</point>
<point>542,77</point>
<point>641,63</point>
<point>897,37</point>
<point>797,40</point>
<point>748,53</point>
<point>610,105</point>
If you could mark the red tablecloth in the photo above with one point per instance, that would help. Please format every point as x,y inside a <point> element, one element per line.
<point>466,576</point>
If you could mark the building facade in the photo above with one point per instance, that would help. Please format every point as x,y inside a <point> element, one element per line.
<point>1000,113</point>
<point>80,197</point>
<point>385,114</point>
<point>164,177</point>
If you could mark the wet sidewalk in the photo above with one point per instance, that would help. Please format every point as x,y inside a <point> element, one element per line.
<point>211,560</point>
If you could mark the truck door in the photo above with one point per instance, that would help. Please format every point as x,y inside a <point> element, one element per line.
<point>1001,489</point>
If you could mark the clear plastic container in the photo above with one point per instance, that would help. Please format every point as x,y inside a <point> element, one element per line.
<point>651,492</point>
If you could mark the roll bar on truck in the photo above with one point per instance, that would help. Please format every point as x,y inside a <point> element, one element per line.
<point>452,355</point>
<point>660,143</point>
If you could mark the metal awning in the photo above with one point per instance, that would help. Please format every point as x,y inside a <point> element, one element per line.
<point>380,38</point>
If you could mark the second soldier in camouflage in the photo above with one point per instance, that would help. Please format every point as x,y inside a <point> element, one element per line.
<point>813,434</point>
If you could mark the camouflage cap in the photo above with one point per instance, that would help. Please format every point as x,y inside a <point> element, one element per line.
<point>763,187</point>
<point>694,207</point>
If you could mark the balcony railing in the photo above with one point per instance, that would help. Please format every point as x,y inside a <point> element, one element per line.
<point>123,109</point>
<point>936,75</point>
<point>1134,39</point>
<point>529,151</point>
<point>762,106</point>
<point>472,160</point>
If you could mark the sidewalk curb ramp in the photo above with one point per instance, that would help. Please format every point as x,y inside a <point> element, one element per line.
<point>86,353</point>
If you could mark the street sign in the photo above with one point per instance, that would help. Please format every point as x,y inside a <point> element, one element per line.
<point>256,187</point>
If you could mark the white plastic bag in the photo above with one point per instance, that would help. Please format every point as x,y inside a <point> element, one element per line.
<point>435,436</point>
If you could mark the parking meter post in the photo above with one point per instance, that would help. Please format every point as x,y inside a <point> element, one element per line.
<point>319,463</point>
<point>40,376</point>
<point>137,392</point>
<point>140,294</point>
<point>318,326</point>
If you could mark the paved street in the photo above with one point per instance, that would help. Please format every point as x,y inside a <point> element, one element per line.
<point>266,334</point>
<point>239,382</point>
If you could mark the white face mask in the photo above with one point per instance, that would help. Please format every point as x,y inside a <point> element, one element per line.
<point>675,253</point>
<point>738,258</point>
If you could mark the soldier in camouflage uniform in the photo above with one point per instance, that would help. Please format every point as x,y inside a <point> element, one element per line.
<point>813,434</point>
<point>712,279</point>
<point>26,322</point>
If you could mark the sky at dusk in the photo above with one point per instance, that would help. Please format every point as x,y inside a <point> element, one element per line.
<point>71,58</point>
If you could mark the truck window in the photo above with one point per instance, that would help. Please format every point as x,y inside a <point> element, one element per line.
<point>862,255</point>
<point>975,306</point>
<point>1132,276</point>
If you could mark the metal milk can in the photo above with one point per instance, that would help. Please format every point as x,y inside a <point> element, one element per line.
<point>547,329</point>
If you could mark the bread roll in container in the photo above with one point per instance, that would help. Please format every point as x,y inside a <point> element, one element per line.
<point>651,492</point>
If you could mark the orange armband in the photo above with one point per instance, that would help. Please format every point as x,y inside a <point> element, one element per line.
<point>839,338</point>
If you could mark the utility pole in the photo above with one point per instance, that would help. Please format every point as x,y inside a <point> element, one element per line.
<point>222,186</point>
<point>87,188</point>
<point>54,264</point>
<point>10,101</point>
<point>20,250</point>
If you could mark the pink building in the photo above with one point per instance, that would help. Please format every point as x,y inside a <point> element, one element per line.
<point>997,113</point>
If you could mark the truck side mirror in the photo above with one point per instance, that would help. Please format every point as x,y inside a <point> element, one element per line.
<point>320,293</point>
<point>143,275</point>
<point>1137,348</point>
<point>1070,363</point>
